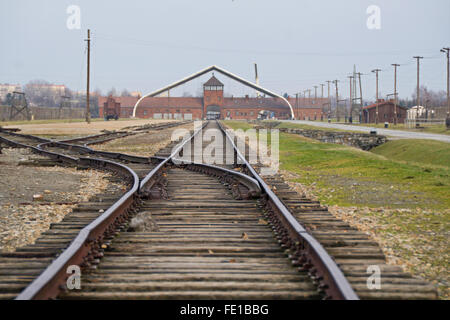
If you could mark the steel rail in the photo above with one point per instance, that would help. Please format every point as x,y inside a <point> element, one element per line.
<point>47,284</point>
<point>84,149</point>
<point>251,184</point>
<point>86,244</point>
<point>144,183</point>
<point>333,280</point>
<point>125,133</point>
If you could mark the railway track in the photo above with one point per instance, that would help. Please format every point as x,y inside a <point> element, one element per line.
<point>208,238</point>
<point>204,244</point>
<point>20,268</point>
<point>205,232</point>
<point>354,251</point>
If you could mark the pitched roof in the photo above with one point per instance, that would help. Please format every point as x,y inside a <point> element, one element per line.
<point>382,103</point>
<point>213,81</point>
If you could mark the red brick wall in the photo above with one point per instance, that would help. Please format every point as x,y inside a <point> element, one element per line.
<point>246,108</point>
<point>385,114</point>
<point>149,112</point>
<point>309,113</point>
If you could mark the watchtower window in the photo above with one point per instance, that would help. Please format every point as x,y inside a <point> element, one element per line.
<point>213,88</point>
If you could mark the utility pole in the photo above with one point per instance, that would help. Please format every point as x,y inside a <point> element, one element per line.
<point>88,110</point>
<point>329,101</point>
<point>360,96</point>
<point>447,120</point>
<point>323,105</point>
<point>351,100</point>
<point>337,99</point>
<point>296,102</point>
<point>376,103</point>
<point>418,88</point>
<point>395,65</point>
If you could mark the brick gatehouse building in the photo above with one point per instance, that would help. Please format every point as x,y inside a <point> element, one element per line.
<point>213,105</point>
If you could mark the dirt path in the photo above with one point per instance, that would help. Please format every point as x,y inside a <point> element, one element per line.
<point>145,144</point>
<point>80,128</point>
<point>22,220</point>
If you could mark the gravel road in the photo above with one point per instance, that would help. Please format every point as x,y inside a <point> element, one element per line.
<point>387,132</point>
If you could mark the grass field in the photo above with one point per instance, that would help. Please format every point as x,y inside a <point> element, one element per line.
<point>399,174</point>
<point>419,152</point>
<point>399,193</point>
<point>347,176</point>
<point>290,125</point>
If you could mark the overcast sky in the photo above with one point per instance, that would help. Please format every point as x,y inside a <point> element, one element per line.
<point>144,45</point>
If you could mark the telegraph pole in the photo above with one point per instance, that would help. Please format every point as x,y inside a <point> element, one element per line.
<point>360,96</point>
<point>296,102</point>
<point>418,88</point>
<point>447,120</point>
<point>337,99</point>
<point>351,100</point>
<point>329,101</point>
<point>395,65</point>
<point>376,103</point>
<point>88,110</point>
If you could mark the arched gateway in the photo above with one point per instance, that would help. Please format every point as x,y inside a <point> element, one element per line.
<point>216,106</point>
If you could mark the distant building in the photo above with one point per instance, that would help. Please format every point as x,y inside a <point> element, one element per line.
<point>386,112</point>
<point>214,105</point>
<point>54,89</point>
<point>135,94</point>
<point>8,88</point>
<point>420,112</point>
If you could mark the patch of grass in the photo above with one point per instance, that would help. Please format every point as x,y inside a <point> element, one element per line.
<point>236,124</point>
<point>346,176</point>
<point>398,194</point>
<point>416,151</point>
<point>290,125</point>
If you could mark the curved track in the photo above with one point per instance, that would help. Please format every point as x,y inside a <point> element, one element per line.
<point>205,232</point>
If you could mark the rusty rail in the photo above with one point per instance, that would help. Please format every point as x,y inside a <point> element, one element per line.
<point>85,247</point>
<point>305,250</point>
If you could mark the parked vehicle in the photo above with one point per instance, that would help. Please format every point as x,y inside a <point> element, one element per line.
<point>111,109</point>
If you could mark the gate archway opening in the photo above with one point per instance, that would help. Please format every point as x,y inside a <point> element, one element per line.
<point>213,112</point>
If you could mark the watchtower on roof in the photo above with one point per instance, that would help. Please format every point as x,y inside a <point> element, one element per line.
<point>213,84</point>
